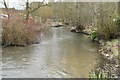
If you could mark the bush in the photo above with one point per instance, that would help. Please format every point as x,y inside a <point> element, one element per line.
<point>18,31</point>
<point>97,14</point>
<point>106,21</point>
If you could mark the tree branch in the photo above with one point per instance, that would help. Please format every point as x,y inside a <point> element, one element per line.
<point>37,7</point>
<point>5,5</point>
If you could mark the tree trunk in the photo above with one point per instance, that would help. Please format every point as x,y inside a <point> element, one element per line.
<point>27,10</point>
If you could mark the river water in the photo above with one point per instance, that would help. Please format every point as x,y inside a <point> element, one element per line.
<point>60,54</point>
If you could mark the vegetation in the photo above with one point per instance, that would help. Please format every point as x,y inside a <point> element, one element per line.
<point>102,16</point>
<point>43,13</point>
<point>18,31</point>
<point>100,20</point>
<point>100,75</point>
<point>21,28</point>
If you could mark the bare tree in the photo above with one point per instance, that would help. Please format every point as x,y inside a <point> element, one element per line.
<point>30,10</point>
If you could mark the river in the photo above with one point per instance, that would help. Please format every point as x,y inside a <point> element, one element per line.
<point>60,54</point>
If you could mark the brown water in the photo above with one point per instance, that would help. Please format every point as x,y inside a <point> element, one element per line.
<point>60,54</point>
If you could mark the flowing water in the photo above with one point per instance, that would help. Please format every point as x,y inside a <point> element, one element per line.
<point>60,54</point>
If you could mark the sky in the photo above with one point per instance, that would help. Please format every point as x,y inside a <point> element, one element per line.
<point>17,3</point>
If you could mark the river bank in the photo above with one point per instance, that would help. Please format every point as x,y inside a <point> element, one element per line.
<point>109,50</point>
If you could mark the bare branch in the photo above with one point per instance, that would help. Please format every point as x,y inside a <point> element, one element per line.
<point>37,7</point>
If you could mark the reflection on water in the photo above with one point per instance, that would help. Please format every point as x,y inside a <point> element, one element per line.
<point>59,54</point>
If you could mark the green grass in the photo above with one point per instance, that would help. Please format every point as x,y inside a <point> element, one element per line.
<point>100,75</point>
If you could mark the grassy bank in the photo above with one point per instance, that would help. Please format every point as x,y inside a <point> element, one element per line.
<point>109,50</point>
<point>107,37</point>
